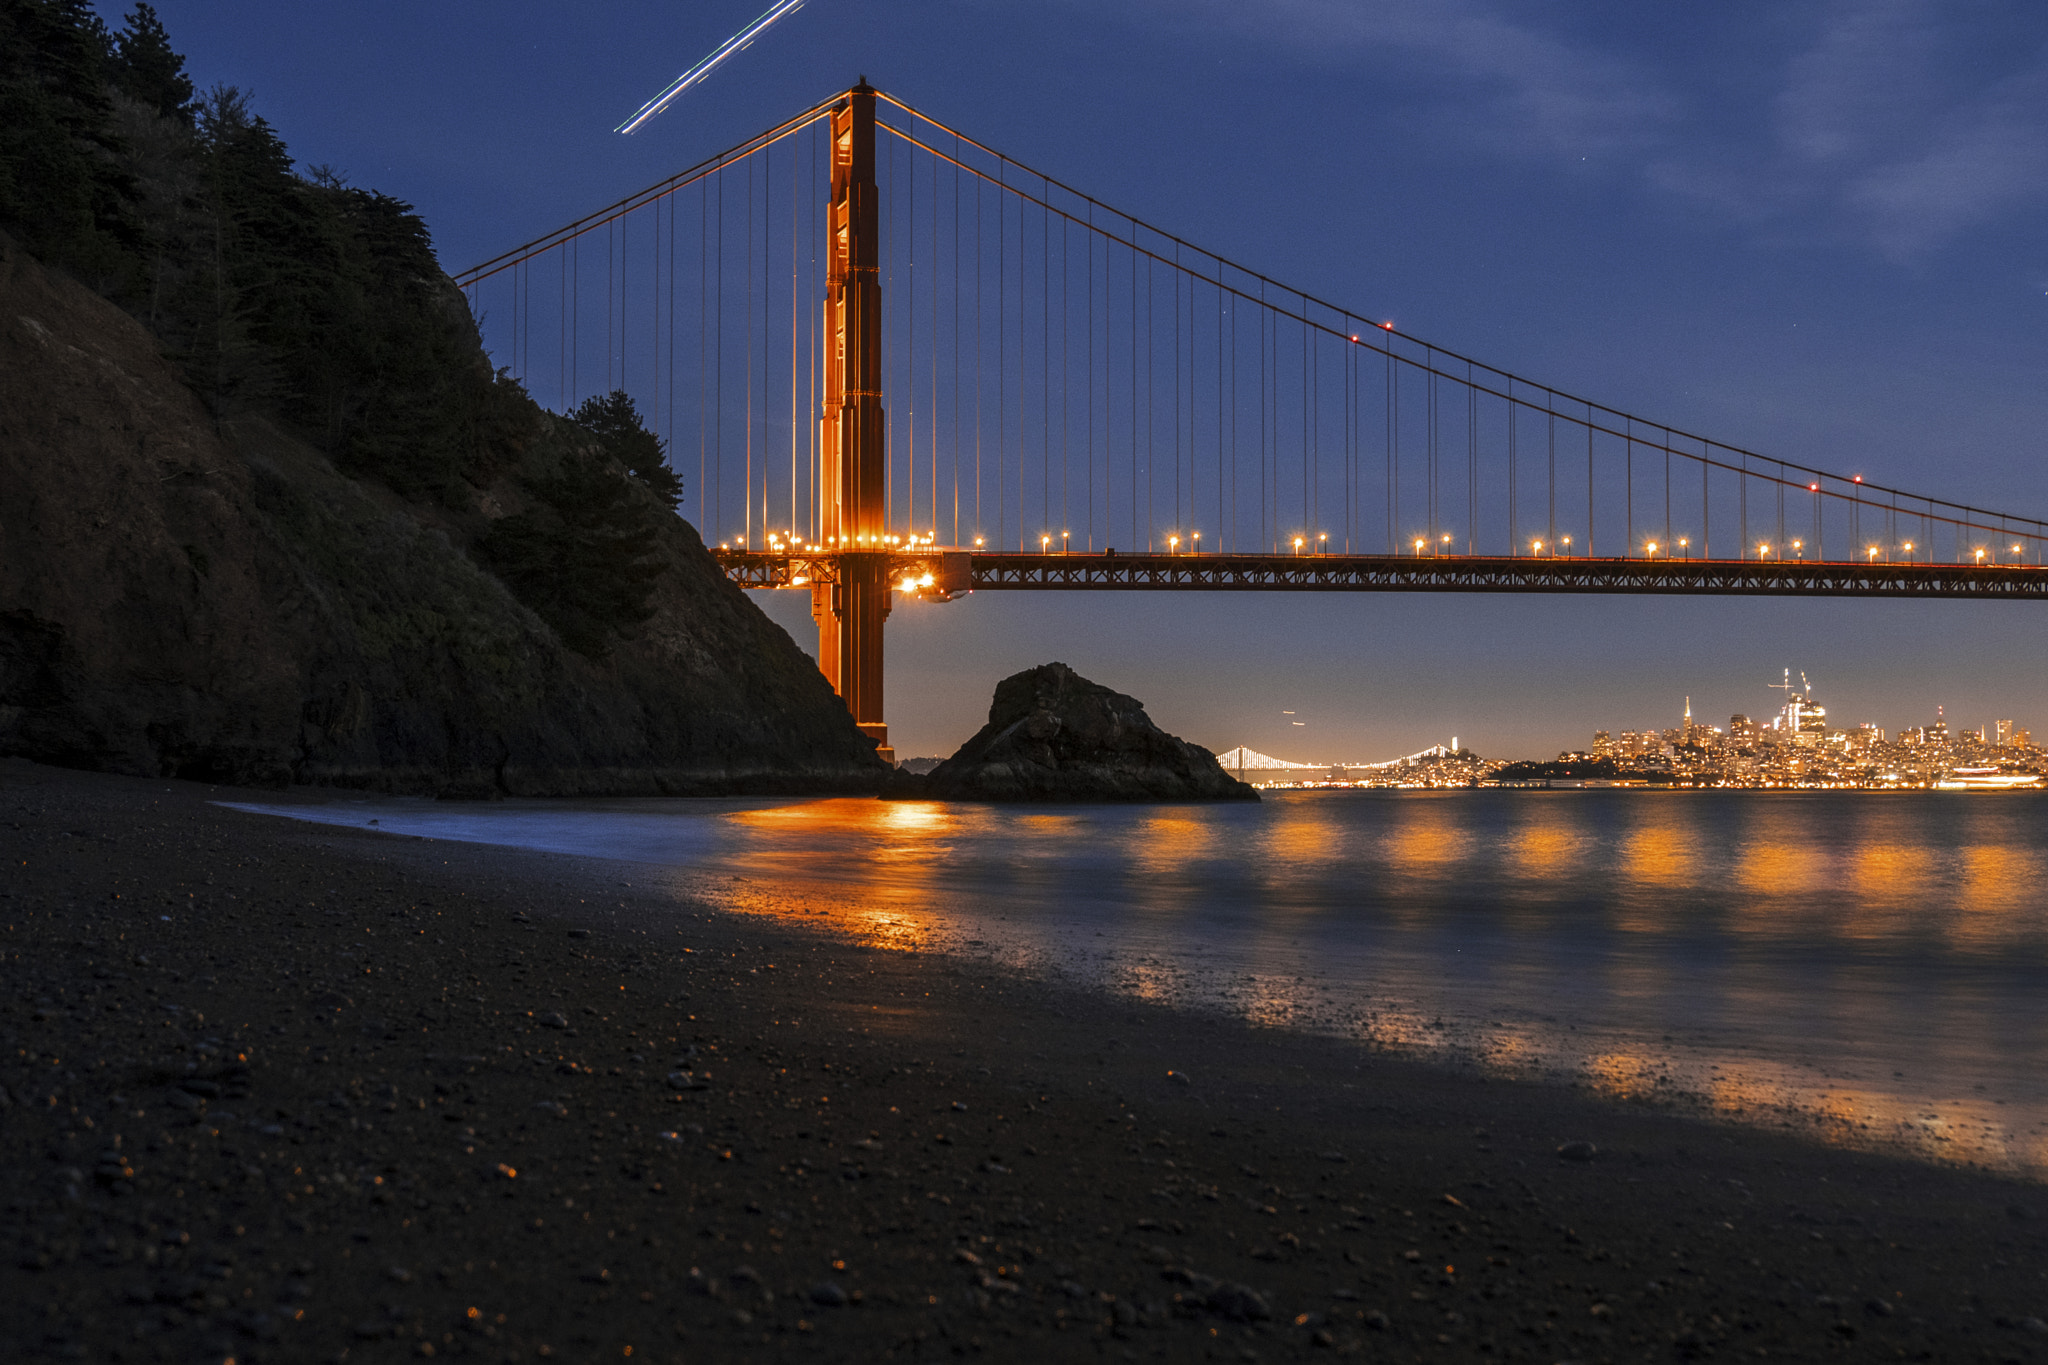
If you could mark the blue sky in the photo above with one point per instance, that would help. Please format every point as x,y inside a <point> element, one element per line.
<point>1811,228</point>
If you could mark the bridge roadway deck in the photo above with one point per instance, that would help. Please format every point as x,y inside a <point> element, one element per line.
<point>954,571</point>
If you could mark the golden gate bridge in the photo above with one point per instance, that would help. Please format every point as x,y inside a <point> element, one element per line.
<point>1081,401</point>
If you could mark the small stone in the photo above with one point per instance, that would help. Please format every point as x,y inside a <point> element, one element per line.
<point>1378,1321</point>
<point>827,1294</point>
<point>399,1275</point>
<point>553,1019</point>
<point>1578,1151</point>
<point>2033,1325</point>
<point>1179,1078</point>
<point>1240,1303</point>
<point>1877,1308</point>
<point>183,1099</point>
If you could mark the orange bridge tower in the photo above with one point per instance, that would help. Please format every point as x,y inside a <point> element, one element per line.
<point>852,474</point>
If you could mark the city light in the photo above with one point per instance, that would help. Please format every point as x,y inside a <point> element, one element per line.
<point>1198,541</point>
<point>1418,548</point>
<point>1298,544</point>
<point>977,542</point>
<point>1683,543</point>
<point>1980,555</point>
<point>1653,549</point>
<point>1763,551</point>
<point>1567,543</point>
<point>1044,543</point>
<point>1873,554</point>
<point>1799,549</point>
<point>1536,547</point>
<point>1172,544</point>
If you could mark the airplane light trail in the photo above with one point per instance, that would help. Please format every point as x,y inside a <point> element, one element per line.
<point>737,43</point>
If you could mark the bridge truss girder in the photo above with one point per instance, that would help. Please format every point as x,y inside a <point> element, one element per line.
<point>952,572</point>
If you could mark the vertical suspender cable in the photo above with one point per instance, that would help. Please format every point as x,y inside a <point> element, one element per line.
<point>1514,426</point>
<point>932,446</point>
<point>1550,419</point>
<point>747,362</point>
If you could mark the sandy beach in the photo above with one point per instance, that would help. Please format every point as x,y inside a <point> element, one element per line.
<point>284,1092</point>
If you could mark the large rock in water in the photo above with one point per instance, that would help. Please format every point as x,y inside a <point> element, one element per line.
<point>182,598</point>
<point>1052,735</point>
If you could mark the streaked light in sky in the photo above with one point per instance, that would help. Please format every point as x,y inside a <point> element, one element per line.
<point>739,42</point>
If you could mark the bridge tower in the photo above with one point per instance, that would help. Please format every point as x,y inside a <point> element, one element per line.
<point>852,473</point>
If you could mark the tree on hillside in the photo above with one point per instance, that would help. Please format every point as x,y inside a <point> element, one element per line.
<point>616,424</point>
<point>62,190</point>
<point>145,68</point>
<point>584,558</point>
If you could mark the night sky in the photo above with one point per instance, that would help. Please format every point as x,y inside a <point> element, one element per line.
<point>1812,229</point>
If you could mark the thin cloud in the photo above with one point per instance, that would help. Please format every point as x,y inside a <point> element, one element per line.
<point>1878,122</point>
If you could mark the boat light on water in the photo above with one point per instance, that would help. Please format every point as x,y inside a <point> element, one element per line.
<point>1985,779</point>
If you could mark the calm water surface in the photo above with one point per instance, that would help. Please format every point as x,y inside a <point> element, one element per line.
<point>1869,967</point>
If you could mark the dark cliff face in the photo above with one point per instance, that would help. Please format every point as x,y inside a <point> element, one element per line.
<point>181,598</point>
<point>1052,735</point>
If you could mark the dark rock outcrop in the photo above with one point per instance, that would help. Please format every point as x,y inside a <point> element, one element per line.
<point>217,601</point>
<point>1052,735</point>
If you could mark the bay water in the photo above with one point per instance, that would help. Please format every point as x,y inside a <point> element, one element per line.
<point>1870,968</point>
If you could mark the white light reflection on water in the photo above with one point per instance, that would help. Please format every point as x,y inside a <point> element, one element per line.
<point>1868,966</point>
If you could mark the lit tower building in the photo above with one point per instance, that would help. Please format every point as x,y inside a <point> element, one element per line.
<point>1802,719</point>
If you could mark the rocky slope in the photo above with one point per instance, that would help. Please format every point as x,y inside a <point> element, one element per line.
<point>180,597</point>
<point>1052,735</point>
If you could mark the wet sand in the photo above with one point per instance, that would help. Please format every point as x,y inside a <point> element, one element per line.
<point>284,1092</point>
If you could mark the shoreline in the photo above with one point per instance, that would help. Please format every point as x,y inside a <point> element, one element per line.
<point>862,1154</point>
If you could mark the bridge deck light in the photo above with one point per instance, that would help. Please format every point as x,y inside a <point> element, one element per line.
<point>1418,547</point>
<point>1652,548</point>
<point>1980,556</point>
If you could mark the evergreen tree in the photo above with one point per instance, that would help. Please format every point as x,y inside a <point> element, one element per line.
<point>61,188</point>
<point>145,69</point>
<point>616,424</point>
<point>584,558</point>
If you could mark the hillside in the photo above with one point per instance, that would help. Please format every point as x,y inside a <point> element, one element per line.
<point>181,596</point>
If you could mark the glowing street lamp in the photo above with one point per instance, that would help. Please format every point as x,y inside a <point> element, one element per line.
<point>1652,548</point>
<point>1064,535</point>
<point>1173,544</point>
<point>1683,544</point>
<point>1799,549</point>
<point>1535,547</point>
<point>1418,548</point>
<point>1197,547</point>
<point>1044,544</point>
<point>1873,554</point>
<point>1322,542</point>
<point>1567,543</point>
<point>1909,549</point>
<point>978,542</point>
<point>1298,542</point>
<point>1446,542</point>
<point>1980,555</point>
<point>1763,551</point>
